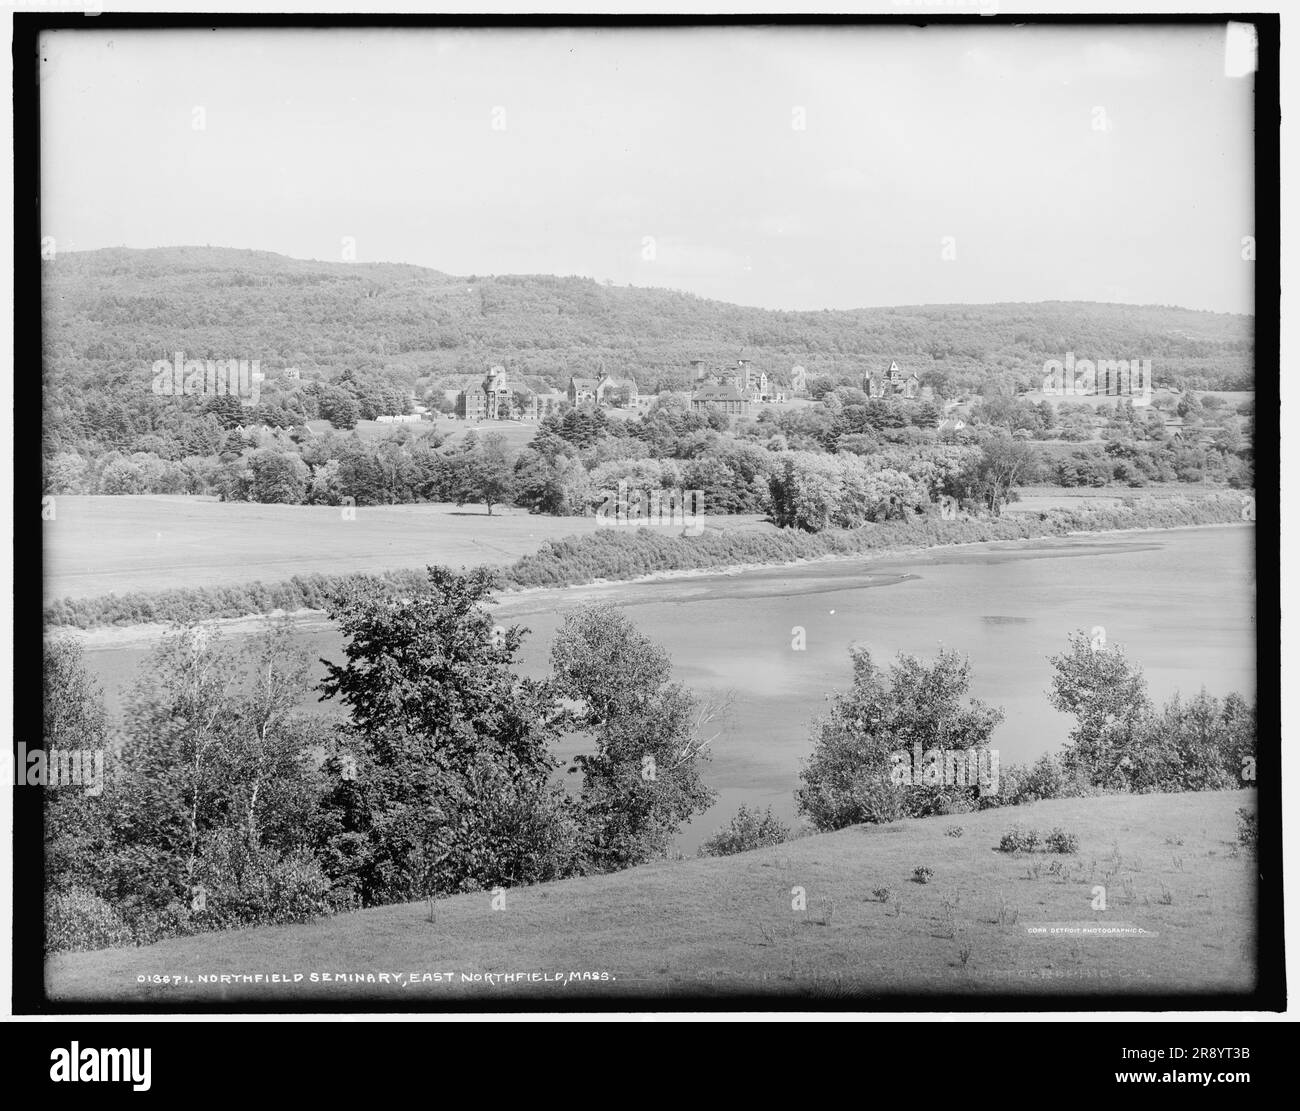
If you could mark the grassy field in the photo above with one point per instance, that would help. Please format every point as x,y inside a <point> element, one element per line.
<point>517,434</point>
<point>1039,499</point>
<point>721,926</point>
<point>100,544</point>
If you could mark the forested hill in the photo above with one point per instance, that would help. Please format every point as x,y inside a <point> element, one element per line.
<point>109,314</point>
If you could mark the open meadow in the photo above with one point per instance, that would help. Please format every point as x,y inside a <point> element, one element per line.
<point>101,544</point>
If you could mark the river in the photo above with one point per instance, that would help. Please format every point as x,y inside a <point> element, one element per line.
<point>1181,602</point>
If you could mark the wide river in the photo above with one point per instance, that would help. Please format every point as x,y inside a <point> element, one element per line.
<point>1182,603</point>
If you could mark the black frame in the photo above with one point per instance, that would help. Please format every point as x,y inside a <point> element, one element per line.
<point>28,892</point>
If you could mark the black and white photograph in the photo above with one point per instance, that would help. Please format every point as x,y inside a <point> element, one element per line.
<point>557,515</point>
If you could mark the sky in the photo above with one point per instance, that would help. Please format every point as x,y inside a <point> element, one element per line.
<point>787,168</point>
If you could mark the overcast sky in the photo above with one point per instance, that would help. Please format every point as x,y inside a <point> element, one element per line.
<point>1060,163</point>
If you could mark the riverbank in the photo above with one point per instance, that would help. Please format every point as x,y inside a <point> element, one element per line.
<point>617,557</point>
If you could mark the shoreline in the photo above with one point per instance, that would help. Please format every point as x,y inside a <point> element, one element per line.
<point>109,636</point>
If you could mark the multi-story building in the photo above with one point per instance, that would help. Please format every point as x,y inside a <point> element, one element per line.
<point>725,398</point>
<point>891,383</point>
<point>744,378</point>
<point>496,398</point>
<point>583,391</point>
<point>605,390</point>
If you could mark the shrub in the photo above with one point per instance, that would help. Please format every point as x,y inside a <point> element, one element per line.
<point>1058,841</point>
<point>748,829</point>
<point>1018,840</point>
<point>953,831</point>
<point>77,920</point>
<point>1247,828</point>
<point>1044,779</point>
<point>855,773</point>
<point>246,888</point>
<point>922,874</point>
<point>173,920</point>
<point>880,894</point>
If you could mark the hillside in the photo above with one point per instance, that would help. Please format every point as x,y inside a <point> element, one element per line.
<point>726,925</point>
<point>109,313</point>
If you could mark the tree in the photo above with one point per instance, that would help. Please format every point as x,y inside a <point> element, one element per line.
<point>852,774</point>
<point>278,477</point>
<point>452,790</point>
<point>1199,745</point>
<point>339,407</point>
<point>643,781</point>
<point>122,476</point>
<point>482,473</point>
<point>1107,695</point>
<point>66,473</point>
<point>1003,464</point>
<point>76,826</point>
<point>178,714</point>
<point>272,796</point>
<point>1189,407</point>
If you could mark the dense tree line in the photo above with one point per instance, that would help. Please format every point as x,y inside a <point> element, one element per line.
<point>1120,741</point>
<point>226,805</point>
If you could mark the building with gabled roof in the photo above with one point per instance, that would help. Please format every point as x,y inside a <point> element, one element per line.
<point>725,398</point>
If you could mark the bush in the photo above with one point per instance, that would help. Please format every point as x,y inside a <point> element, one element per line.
<point>173,920</point>
<point>953,831</point>
<point>1018,840</point>
<point>243,888</point>
<point>860,769</point>
<point>1045,779</point>
<point>747,830</point>
<point>1058,841</point>
<point>922,874</point>
<point>77,920</point>
<point>1247,828</point>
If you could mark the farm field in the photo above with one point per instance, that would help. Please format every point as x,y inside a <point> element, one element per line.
<point>102,544</point>
<point>1037,499</point>
<point>720,926</point>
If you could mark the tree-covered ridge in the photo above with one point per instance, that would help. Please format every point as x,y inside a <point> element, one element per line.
<point>116,309</point>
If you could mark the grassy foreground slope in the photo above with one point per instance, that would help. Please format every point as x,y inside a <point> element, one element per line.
<point>726,925</point>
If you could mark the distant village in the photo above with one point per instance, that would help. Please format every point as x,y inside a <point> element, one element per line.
<point>739,389</point>
<point>734,390</point>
